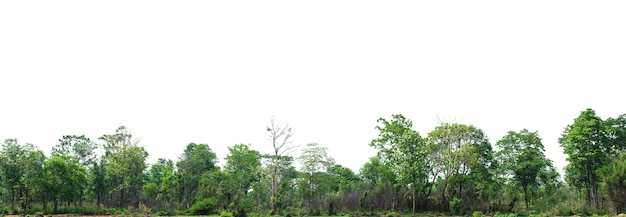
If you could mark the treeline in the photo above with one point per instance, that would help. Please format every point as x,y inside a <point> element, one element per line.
<point>452,169</point>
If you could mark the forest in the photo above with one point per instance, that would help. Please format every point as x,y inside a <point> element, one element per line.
<point>451,170</point>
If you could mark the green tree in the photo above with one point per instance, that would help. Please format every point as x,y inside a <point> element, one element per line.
<point>345,179</point>
<point>99,184</point>
<point>406,153</point>
<point>614,179</point>
<point>126,161</point>
<point>243,167</point>
<point>587,152</point>
<point>158,188</point>
<point>522,156</point>
<point>81,149</point>
<point>196,160</point>
<point>460,153</point>
<point>380,184</point>
<point>616,135</point>
<point>21,165</point>
<point>315,180</point>
<point>65,179</point>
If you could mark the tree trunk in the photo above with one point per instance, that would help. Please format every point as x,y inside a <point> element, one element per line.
<point>122,198</point>
<point>525,187</point>
<point>443,194</point>
<point>413,213</point>
<point>45,203</point>
<point>56,205</point>
<point>12,200</point>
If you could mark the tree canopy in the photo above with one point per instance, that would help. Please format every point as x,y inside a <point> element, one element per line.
<point>452,169</point>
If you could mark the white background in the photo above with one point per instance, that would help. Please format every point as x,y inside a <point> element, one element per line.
<point>213,72</point>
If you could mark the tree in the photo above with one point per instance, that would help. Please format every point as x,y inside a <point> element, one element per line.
<point>126,161</point>
<point>616,135</point>
<point>159,183</point>
<point>65,179</point>
<point>81,149</point>
<point>406,152</point>
<point>315,162</point>
<point>196,160</point>
<point>522,154</point>
<point>460,153</point>
<point>587,152</point>
<point>21,165</point>
<point>98,179</point>
<point>614,179</point>
<point>380,184</point>
<point>243,167</point>
<point>345,179</point>
<point>280,136</point>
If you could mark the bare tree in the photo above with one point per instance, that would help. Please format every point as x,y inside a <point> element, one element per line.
<point>280,135</point>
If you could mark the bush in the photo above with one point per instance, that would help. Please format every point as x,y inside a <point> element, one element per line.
<point>164,213</point>
<point>455,204</point>
<point>113,211</point>
<point>225,213</point>
<point>204,207</point>
<point>4,210</point>
<point>478,214</point>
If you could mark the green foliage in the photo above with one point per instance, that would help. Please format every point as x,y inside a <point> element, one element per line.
<point>478,214</point>
<point>461,155</point>
<point>225,213</point>
<point>165,212</point>
<point>405,152</point>
<point>315,183</point>
<point>204,207</point>
<point>453,170</point>
<point>65,178</point>
<point>81,149</point>
<point>585,144</point>
<point>455,205</point>
<point>193,164</point>
<point>614,179</point>
<point>242,169</point>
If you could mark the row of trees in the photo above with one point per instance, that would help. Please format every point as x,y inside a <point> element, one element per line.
<point>452,168</point>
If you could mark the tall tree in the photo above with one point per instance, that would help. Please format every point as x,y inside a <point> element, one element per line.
<point>243,168</point>
<point>315,162</point>
<point>406,152</point>
<point>196,160</point>
<point>459,152</point>
<point>522,154</point>
<point>21,165</point>
<point>281,137</point>
<point>587,152</point>
<point>345,179</point>
<point>380,184</point>
<point>614,179</point>
<point>158,187</point>
<point>126,161</point>
<point>81,149</point>
<point>65,179</point>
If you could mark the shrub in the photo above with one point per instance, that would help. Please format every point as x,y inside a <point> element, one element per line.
<point>478,214</point>
<point>204,207</point>
<point>164,213</point>
<point>225,213</point>
<point>455,204</point>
